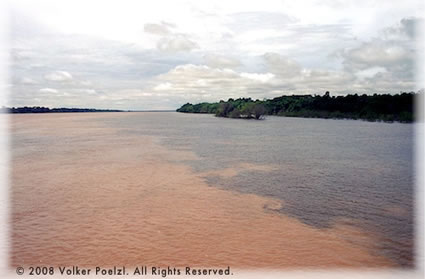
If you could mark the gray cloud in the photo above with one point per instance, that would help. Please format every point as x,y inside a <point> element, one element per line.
<point>393,51</point>
<point>281,65</point>
<point>379,53</point>
<point>170,40</point>
<point>406,29</point>
<point>255,54</point>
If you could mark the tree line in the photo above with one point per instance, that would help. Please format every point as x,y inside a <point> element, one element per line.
<point>376,107</point>
<point>49,110</point>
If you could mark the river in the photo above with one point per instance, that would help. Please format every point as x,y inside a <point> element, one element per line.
<point>164,188</point>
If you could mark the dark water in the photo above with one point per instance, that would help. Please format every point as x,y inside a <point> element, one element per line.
<point>324,170</point>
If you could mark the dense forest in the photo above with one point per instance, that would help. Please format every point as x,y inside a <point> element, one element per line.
<point>375,107</point>
<point>47,110</point>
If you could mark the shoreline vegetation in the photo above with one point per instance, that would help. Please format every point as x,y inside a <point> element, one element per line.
<point>37,109</point>
<point>53,110</point>
<point>385,107</point>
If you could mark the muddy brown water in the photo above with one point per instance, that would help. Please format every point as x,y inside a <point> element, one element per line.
<point>108,189</point>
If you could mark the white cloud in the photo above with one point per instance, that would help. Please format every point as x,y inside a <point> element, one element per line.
<point>48,90</point>
<point>209,51</point>
<point>248,21</point>
<point>26,80</point>
<point>176,43</point>
<point>163,86</point>
<point>158,29</point>
<point>58,76</point>
<point>88,91</point>
<point>258,77</point>
<point>221,61</point>
<point>201,80</point>
<point>200,83</point>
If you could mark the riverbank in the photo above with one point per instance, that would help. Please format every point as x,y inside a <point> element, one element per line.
<point>385,107</point>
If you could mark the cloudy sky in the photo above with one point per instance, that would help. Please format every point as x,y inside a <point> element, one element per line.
<point>162,54</point>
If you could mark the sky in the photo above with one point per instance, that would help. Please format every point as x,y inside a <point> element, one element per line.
<point>156,55</point>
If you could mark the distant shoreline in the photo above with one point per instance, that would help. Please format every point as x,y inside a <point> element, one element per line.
<point>385,107</point>
<point>24,110</point>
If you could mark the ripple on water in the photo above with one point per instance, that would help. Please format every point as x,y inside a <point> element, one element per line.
<point>109,197</point>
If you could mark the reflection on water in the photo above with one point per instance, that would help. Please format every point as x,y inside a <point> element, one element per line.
<point>132,187</point>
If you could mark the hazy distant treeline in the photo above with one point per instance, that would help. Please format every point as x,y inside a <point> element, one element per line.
<point>47,110</point>
<point>375,107</point>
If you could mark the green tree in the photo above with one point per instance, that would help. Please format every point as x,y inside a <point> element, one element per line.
<point>259,111</point>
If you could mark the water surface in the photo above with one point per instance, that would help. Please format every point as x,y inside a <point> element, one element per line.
<point>170,188</point>
<point>322,170</point>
